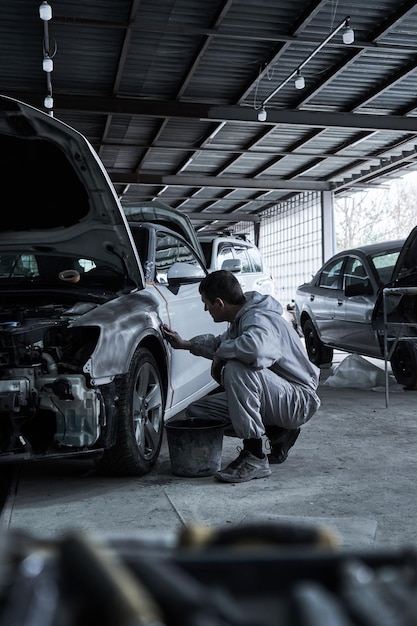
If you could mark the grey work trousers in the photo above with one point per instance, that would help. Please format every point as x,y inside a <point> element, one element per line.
<point>253,399</point>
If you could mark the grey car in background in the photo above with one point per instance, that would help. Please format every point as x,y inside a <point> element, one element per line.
<point>341,307</point>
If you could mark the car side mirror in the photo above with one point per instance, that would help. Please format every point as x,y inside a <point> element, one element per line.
<point>361,288</point>
<point>181,273</point>
<point>232,265</point>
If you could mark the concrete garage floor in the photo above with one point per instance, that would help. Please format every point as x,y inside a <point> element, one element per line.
<point>353,469</point>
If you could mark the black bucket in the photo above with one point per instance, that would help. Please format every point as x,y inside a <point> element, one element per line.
<point>195,446</point>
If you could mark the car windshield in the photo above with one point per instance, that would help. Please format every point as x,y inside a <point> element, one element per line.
<point>36,269</point>
<point>27,265</point>
<point>384,263</point>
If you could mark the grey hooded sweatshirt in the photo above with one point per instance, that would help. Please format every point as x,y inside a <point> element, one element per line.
<point>262,338</point>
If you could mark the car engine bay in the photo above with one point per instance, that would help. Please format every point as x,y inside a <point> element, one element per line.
<point>46,398</point>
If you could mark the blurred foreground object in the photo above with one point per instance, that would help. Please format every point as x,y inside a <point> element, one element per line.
<point>257,574</point>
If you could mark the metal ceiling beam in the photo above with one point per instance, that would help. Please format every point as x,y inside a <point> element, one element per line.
<point>221,182</point>
<point>228,34</point>
<point>154,108</point>
<point>165,147</point>
<point>224,217</point>
<point>331,73</point>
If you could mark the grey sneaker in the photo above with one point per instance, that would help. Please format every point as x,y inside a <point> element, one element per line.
<point>245,467</point>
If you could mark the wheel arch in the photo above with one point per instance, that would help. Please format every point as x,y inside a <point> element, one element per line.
<point>318,352</point>
<point>112,390</point>
<point>305,317</point>
<point>404,363</point>
<point>152,343</point>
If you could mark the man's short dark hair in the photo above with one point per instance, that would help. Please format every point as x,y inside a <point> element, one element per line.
<point>224,285</point>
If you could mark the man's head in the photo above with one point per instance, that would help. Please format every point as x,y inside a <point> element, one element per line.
<point>222,295</point>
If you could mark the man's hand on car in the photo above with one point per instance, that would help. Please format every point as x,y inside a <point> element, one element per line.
<point>174,339</point>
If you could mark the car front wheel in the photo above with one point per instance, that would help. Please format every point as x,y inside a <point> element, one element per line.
<point>404,364</point>
<point>318,353</point>
<point>140,424</point>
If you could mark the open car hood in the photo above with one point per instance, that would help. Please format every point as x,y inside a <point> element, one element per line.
<point>63,202</point>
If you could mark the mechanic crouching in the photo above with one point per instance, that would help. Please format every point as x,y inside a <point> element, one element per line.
<point>269,384</point>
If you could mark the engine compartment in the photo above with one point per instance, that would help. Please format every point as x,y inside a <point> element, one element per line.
<point>47,401</point>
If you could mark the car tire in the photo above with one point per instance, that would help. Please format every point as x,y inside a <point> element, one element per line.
<point>318,353</point>
<point>140,424</point>
<point>404,364</point>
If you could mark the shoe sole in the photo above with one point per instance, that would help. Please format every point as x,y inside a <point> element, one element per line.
<point>228,479</point>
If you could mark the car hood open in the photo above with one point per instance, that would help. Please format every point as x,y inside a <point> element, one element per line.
<point>61,198</point>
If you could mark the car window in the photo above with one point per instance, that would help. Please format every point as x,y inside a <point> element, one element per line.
<point>141,239</point>
<point>384,264</point>
<point>329,277</point>
<point>170,250</point>
<point>256,259</point>
<point>240,252</point>
<point>225,253</point>
<point>354,273</point>
<point>207,251</point>
<point>18,265</point>
<point>43,266</point>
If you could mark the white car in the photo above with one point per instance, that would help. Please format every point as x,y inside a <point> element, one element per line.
<point>238,255</point>
<point>84,368</point>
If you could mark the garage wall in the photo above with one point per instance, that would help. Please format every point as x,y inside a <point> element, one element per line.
<point>291,242</point>
<point>296,237</point>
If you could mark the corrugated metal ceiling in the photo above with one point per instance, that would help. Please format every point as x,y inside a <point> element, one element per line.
<point>168,92</point>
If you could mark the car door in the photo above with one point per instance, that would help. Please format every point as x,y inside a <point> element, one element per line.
<point>182,309</point>
<point>402,307</point>
<point>325,301</point>
<point>355,328</point>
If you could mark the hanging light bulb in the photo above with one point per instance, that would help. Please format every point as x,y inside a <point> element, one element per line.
<point>48,103</point>
<point>47,64</point>
<point>262,115</point>
<point>45,11</point>
<point>299,82</point>
<point>348,34</point>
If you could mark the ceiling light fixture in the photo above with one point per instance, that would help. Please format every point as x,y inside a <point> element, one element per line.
<point>47,64</point>
<point>45,13</point>
<point>299,82</point>
<point>348,37</point>
<point>262,115</point>
<point>48,103</point>
<point>348,34</point>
